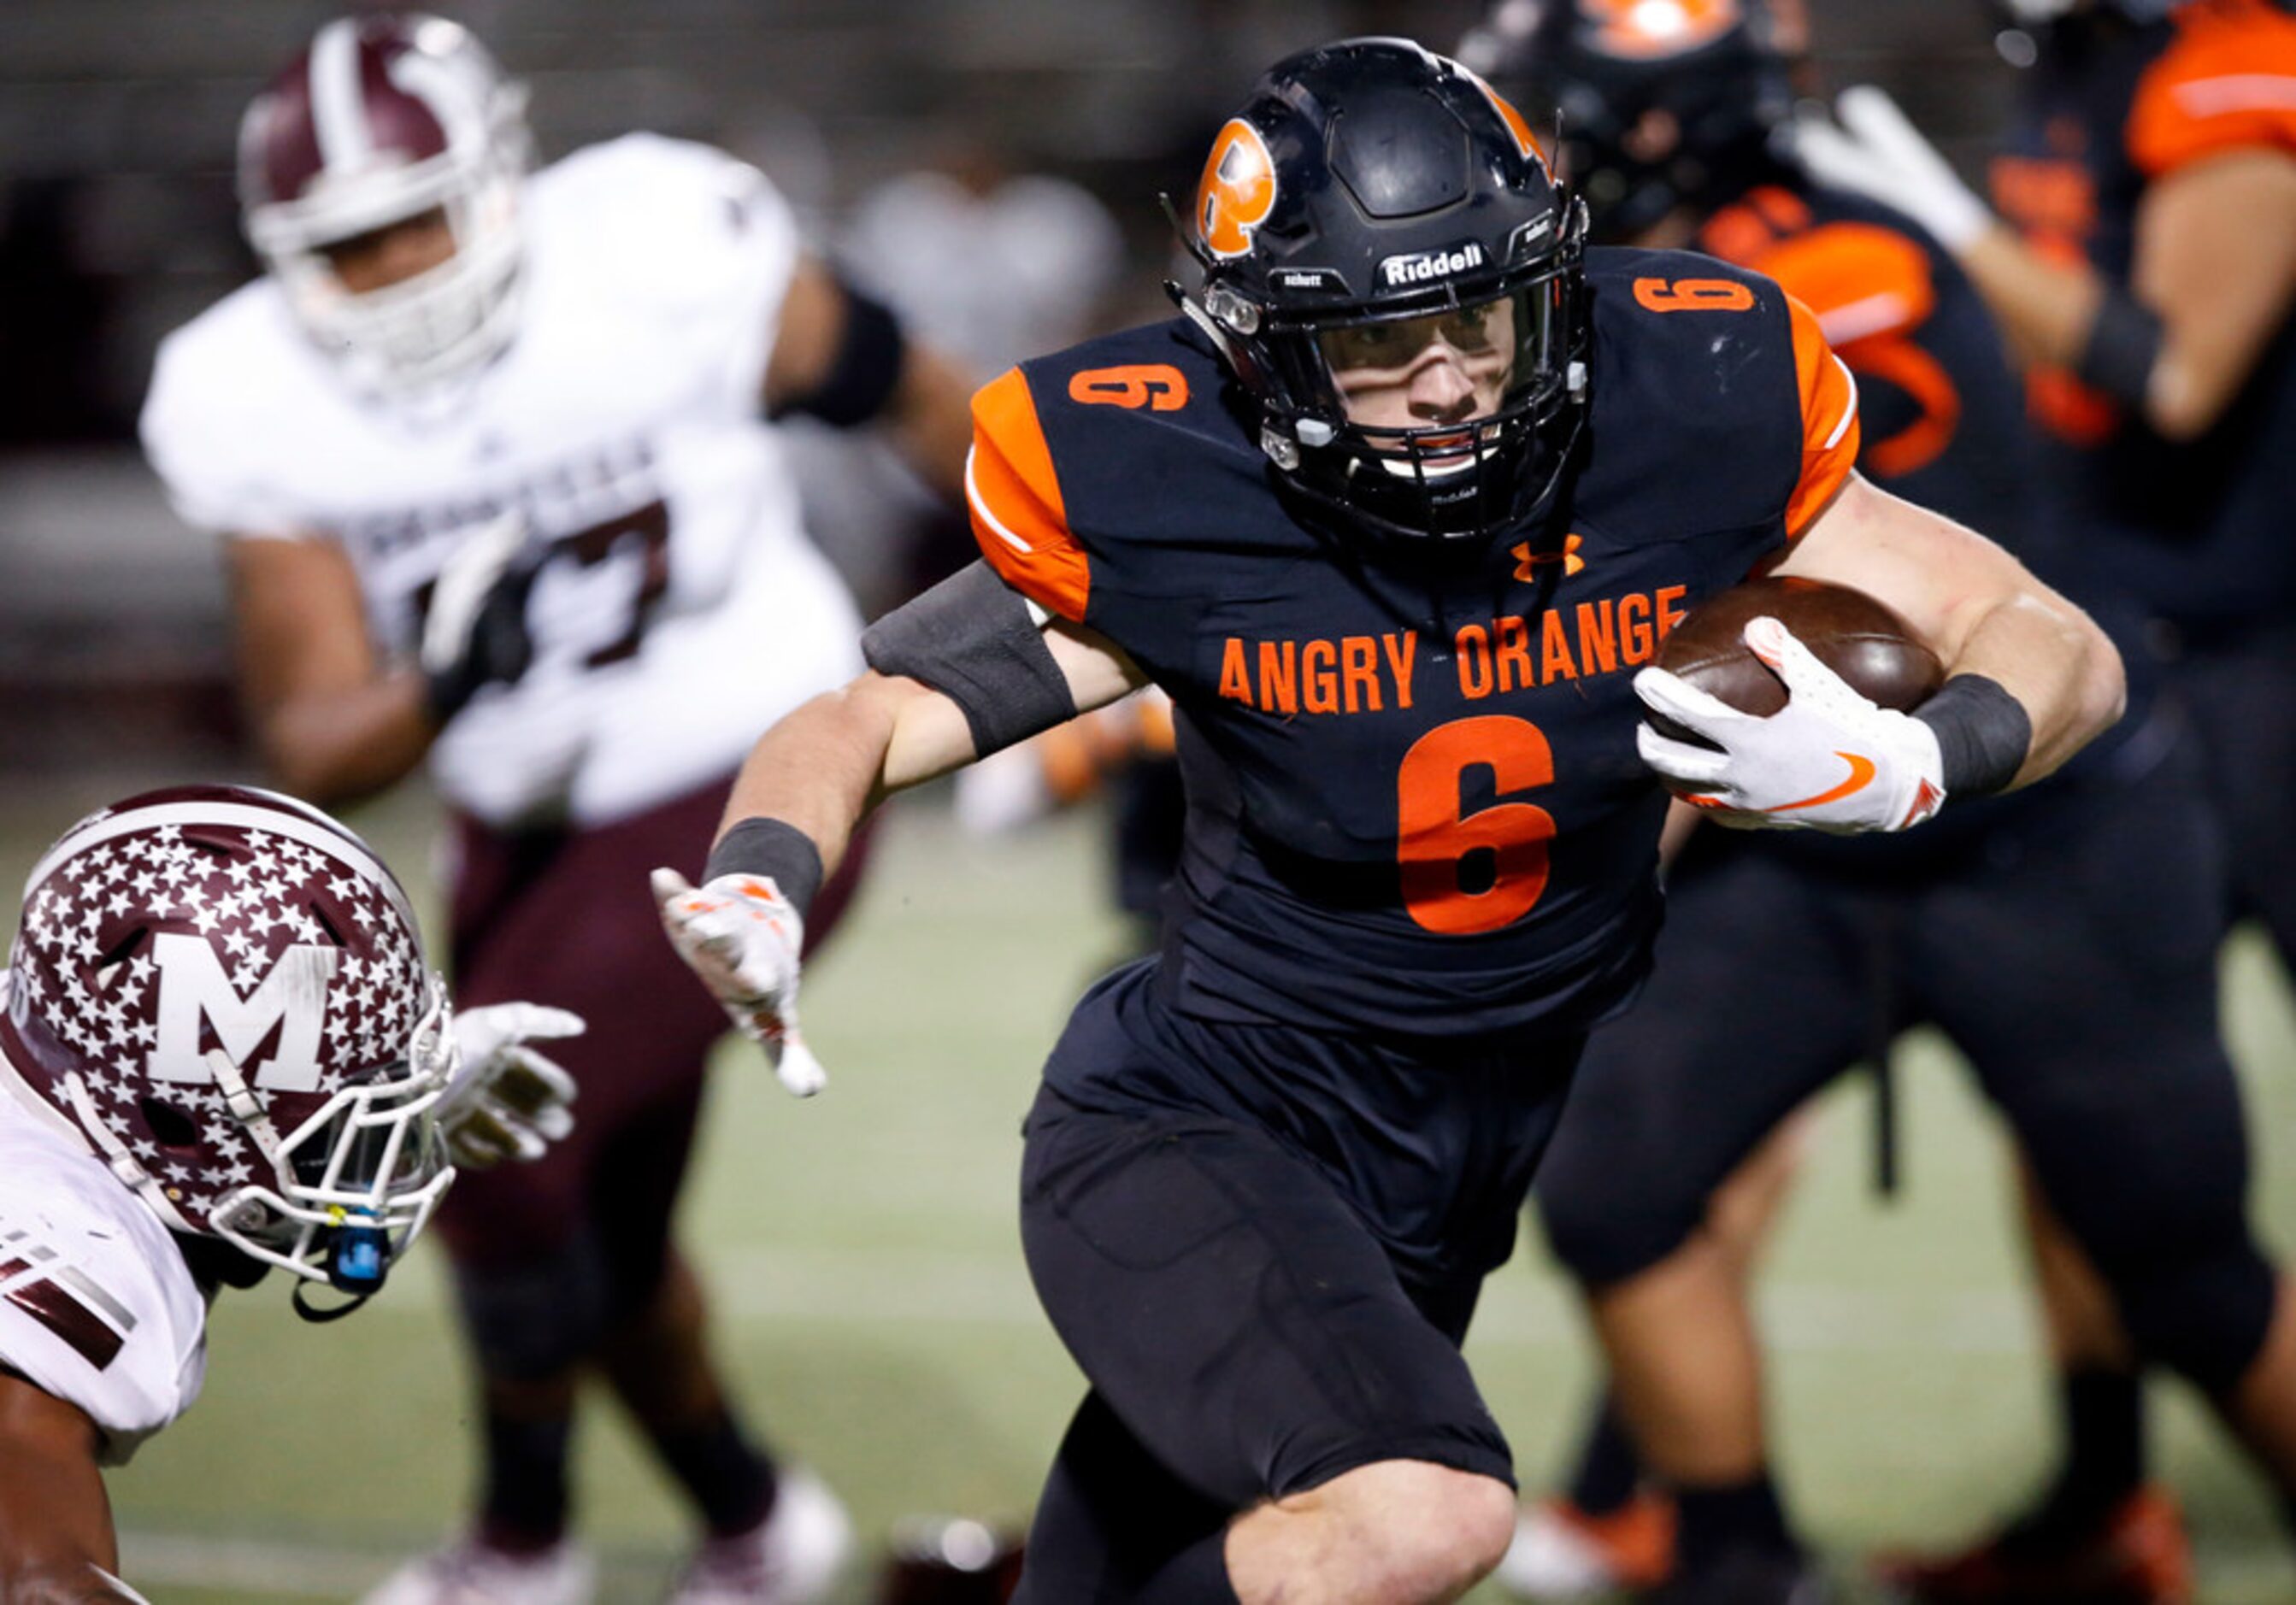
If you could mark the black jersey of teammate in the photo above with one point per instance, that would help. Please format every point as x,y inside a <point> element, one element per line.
<point>1416,804</point>
<point>1941,411</point>
<point>2200,528</point>
<point>1942,417</point>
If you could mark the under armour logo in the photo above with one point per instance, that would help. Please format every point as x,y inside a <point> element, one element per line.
<point>1527,561</point>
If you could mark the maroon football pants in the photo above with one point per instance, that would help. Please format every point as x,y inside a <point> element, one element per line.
<point>565,917</point>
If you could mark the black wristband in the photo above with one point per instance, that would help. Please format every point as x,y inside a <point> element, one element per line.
<point>774,849</point>
<point>1983,734</point>
<point>2124,342</point>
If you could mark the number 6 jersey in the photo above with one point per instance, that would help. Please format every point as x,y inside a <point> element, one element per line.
<point>682,608</point>
<point>1415,805</point>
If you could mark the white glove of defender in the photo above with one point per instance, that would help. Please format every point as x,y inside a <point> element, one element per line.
<point>506,1101</point>
<point>743,937</point>
<point>1828,760</point>
<point>1873,149</point>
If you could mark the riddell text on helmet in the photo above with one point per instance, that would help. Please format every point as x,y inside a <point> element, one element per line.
<point>1417,268</point>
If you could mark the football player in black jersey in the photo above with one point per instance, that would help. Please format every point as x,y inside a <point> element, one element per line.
<point>2127,1107</point>
<point>1395,512</point>
<point>2143,263</point>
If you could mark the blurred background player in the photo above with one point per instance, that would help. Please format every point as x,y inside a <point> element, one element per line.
<point>1670,112</point>
<point>222,1053</point>
<point>2142,264</point>
<point>490,458</point>
<point>989,259</point>
<point>1329,1090</point>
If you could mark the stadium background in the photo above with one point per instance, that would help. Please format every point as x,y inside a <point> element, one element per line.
<point>864,1248</point>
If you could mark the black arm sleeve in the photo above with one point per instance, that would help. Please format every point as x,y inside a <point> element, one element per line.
<point>972,638</point>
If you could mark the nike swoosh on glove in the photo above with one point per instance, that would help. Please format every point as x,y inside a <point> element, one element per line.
<point>743,937</point>
<point>506,1101</point>
<point>1830,759</point>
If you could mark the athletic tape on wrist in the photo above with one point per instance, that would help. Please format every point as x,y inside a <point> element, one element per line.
<point>2124,343</point>
<point>774,849</point>
<point>1983,734</point>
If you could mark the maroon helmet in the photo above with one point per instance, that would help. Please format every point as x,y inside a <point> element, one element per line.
<point>382,119</point>
<point>221,993</point>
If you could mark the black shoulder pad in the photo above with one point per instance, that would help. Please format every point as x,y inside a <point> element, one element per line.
<point>972,639</point>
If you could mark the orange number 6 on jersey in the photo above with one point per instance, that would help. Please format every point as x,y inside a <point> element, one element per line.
<point>1433,840</point>
<point>1694,295</point>
<point>1157,386</point>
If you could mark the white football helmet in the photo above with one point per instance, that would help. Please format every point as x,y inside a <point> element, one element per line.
<point>221,993</point>
<point>382,119</point>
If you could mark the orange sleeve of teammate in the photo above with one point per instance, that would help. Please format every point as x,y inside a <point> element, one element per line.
<point>1829,421</point>
<point>2227,83</point>
<point>1013,494</point>
<point>1859,279</point>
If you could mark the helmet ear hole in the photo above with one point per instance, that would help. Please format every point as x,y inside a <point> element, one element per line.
<point>169,1125</point>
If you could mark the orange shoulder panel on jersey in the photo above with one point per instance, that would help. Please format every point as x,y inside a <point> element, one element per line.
<point>1829,419</point>
<point>2228,83</point>
<point>1013,495</point>
<point>1860,279</point>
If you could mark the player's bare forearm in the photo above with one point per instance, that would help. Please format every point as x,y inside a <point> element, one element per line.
<point>335,747</point>
<point>56,1542</point>
<point>2216,264</point>
<point>930,420</point>
<point>2046,307</point>
<point>1978,608</point>
<point>2048,655</point>
<point>825,766</point>
<point>2216,259</point>
<point>333,723</point>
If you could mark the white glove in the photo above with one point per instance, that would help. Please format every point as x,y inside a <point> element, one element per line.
<point>1873,149</point>
<point>743,937</point>
<point>1829,759</point>
<point>506,1101</point>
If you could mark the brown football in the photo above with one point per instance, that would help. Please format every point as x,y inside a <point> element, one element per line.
<point>1856,637</point>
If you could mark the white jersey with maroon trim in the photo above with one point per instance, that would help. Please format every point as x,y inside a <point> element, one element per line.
<point>97,1307</point>
<point>682,609</point>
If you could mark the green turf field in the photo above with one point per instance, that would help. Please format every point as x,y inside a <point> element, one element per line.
<point>873,1305</point>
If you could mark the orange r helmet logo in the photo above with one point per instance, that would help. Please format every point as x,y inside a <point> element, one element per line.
<point>1641,30</point>
<point>1237,190</point>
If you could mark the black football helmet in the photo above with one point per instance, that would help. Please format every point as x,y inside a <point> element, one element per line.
<point>1365,184</point>
<point>1662,103</point>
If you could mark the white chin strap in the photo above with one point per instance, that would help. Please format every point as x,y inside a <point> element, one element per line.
<point>123,1164</point>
